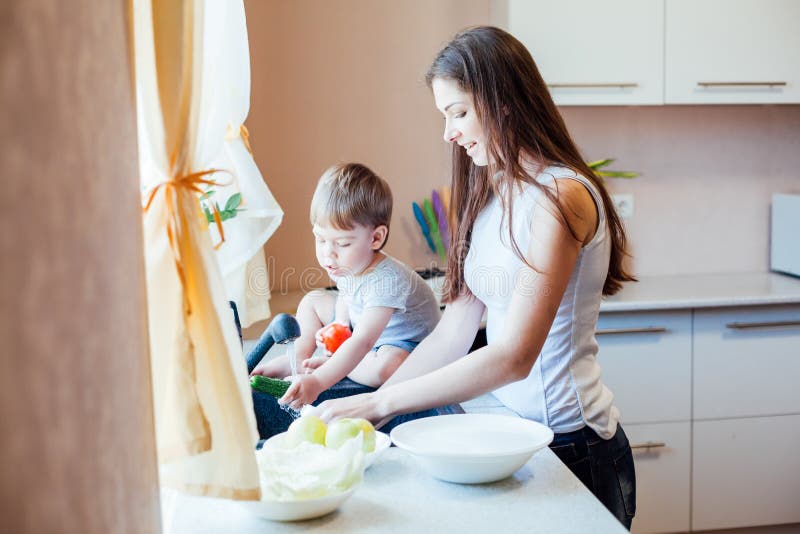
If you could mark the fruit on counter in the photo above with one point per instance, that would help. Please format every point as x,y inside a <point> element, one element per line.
<point>334,335</point>
<point>308,428</point>
<point>342,430</point>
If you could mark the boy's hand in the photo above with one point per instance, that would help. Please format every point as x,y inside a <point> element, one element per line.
<point>304,390</point>
<point>312,363</point>
<point>274,368</point>
<point>320,343</point>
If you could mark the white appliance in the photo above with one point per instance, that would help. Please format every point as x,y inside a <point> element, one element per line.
<point>785,234</point>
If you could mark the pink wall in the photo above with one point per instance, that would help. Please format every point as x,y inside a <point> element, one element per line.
<point>344,81</point>
<point>702,203</point>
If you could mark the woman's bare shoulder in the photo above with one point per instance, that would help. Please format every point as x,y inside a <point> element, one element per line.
<point>578,205</point>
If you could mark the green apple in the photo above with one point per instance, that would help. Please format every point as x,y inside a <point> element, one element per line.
<point>342,430</point>
<point>369,434</point>
<point>308,428</point>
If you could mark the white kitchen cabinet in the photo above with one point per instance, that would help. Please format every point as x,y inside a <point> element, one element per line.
<point>732,51</point>
<point>713,392</point>
<point>662,457</point>
<point>746,472</point>
<point>746,361</point>
<point>593,53</point>
<point>646,360</point>
<point>646,52</point>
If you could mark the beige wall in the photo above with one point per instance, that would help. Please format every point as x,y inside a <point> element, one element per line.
<point>336,81</point>
<point>77,450</point>
<point>343,81</point>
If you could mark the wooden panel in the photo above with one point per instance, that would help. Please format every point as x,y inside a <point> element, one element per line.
<point>77,447</point>
<point>742,365</point>
<point>745,472</point>
<point>649,371</point>
<point>662,476</point>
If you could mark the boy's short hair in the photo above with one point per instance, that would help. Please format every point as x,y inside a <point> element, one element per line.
<point>349,194</point>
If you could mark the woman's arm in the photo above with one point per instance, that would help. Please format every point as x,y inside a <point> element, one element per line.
<point>450,339</point>
<point>534,303</point>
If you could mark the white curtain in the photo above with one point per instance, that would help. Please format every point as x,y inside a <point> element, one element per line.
<point>205,427</point>
<point>241,256</point>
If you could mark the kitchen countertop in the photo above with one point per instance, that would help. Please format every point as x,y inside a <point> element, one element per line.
<point>398,497</point>
<point>704,291</point>
<point>649,293</point>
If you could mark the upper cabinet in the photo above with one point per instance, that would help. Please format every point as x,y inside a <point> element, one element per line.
<point>732,51</point>
<point>594,53</point>
<point>640,52</point>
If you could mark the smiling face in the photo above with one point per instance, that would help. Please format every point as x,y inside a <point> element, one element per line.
<point>461,120</point>
<point>347,252</point>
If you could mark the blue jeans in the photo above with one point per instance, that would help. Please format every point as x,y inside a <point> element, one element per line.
<point>604,466</point>
<point>272,420</point>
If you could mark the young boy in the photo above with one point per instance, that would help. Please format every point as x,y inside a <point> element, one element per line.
<point>388,306</point>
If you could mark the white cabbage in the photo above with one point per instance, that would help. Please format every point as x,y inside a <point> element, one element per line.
<point>309,471</point>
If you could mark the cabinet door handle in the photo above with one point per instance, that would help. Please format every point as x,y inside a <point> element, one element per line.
<point>771,324</point>
<point>643,330</point>
<point>648,445</point>
<point>621,85</point>
<point>742,84</point>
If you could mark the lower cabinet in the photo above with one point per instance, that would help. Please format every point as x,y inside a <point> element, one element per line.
<point>710,400</point>
<point>746,472</point>
<point>662,458</point>
<point>646,361</point>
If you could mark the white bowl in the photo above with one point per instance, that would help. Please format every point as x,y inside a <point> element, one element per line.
<point>382,442</point>
<point>471,448</point>
<point>297,510</point>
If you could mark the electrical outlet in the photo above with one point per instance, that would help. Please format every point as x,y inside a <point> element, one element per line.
<point>623,203</point>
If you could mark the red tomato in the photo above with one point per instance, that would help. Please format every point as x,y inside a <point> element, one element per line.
<point>334,335</point>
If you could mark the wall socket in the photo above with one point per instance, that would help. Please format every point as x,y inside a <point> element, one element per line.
<point>623,203</point>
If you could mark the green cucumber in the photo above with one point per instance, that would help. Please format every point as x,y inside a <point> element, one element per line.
<point>270,386</point>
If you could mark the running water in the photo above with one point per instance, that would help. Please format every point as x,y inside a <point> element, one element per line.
<point>293,366</point>
<point>292,360</point>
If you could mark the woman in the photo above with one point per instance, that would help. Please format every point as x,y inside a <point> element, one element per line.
<point>536,245</point>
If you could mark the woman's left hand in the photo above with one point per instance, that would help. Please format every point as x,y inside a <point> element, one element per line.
<point>364,405</point>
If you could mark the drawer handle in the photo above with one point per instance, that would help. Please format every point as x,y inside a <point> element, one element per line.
<point>772,324</point>
<point>649,445</point>
<point>643,330</point>
<point>621,85</point>
<point>742,84</point>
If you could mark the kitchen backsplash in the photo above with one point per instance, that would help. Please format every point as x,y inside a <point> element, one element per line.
<point>708,175</point>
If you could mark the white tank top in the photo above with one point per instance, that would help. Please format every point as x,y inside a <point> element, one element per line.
<point>563,390</point>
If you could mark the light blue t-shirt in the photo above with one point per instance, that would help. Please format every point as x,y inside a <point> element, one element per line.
<point>392,284</point>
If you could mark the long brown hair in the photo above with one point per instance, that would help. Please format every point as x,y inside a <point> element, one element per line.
<point>518,117</point>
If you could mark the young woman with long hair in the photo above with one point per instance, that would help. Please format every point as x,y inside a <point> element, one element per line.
<point>536,244</point>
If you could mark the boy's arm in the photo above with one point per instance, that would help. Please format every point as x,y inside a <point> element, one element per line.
<point>306,388</point>
<point>370,327</point>
<point>342,313</point>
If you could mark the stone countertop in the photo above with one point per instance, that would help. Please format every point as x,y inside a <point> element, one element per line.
<point>697,291</point>
<point>398,497</point>
<point>704,291</point>
<point>652,293</point>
